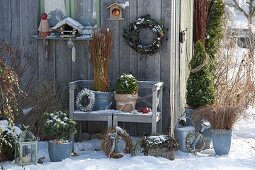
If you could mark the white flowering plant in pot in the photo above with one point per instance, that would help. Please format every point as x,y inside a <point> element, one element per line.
<point>58,126</point>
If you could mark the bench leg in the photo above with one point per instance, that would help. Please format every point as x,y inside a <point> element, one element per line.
<point>115,121</point>
<point>154,128</point>
<point>80,130</point>
<point>71,138</point>
<point>109,121</point>
<point>160,126</point>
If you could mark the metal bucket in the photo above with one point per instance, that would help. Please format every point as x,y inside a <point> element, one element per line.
<point>181,132</point>
<point>103,100</point>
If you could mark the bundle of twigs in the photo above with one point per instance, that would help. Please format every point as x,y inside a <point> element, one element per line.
<point>200,17</point>
<point>100,49</point>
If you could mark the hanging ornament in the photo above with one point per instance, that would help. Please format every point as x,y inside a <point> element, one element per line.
<point>71,45</point>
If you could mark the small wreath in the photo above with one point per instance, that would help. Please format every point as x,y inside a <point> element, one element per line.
<point>106,143</point>
<point>91,97</point>
<point>132,35</point>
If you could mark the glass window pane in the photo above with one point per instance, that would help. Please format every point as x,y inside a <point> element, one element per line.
<point>86,12</point>
<point>57,10</point>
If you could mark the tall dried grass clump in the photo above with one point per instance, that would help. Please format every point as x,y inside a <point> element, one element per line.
<point>100,49</point>
<point>220,117</point>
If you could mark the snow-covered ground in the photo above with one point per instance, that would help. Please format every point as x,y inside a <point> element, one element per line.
<point>241,156</point>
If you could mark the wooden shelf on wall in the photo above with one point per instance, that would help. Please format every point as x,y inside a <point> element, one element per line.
<point>59,38</point>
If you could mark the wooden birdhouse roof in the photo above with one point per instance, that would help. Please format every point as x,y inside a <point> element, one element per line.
<point>114,4</point>
<point>71,22</point>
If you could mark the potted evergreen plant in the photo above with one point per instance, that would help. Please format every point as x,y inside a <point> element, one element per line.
<point>126,89</point>
<point>100,49</point>
<point>58,127</point>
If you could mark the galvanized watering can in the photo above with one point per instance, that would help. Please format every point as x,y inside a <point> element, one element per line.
<point>181,132</point>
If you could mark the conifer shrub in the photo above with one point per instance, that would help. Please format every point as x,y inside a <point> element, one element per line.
<point>214,28</point>
<point>200,85</point>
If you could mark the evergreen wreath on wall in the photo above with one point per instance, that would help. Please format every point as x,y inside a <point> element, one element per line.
<point>131,35</point>
<point>91,100</point>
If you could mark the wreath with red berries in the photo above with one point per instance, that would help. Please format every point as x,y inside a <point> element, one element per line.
<point>131,35</point>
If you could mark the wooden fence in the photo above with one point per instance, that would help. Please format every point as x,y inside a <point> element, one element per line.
<point>52,59</point>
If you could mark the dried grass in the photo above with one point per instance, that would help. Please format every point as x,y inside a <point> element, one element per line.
<point>220,117</point>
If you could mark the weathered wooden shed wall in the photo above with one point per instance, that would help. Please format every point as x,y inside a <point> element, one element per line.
<point>52,59</point>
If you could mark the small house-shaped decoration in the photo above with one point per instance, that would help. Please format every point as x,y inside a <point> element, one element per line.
<point>68,28</point>
<point>26,148</point>
<point>115,10</point>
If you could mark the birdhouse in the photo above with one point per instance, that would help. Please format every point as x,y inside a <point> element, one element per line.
<point>68,28</point>
<point>115,10</point>
<point>26,148</point>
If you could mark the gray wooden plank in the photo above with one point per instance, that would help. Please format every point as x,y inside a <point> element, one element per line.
<point>149,66</point>
<point>80,66</point>
<point>63,68</point>
<point>114,67</point>
<point>177,65</point>
<point>7,17</point>
<point>186,23</point>
<point>42,60</point>
<point>165,63</point>
<point>28,26</point>
<point>133,54</point>
<point>124,49</point>
<point>52,61</point>
<point>172,39</point>
<point>15,11</point>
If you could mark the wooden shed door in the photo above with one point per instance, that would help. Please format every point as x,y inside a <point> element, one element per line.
<point>186,29</point>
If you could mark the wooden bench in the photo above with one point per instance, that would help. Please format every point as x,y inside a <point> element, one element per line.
<point>148,90</point>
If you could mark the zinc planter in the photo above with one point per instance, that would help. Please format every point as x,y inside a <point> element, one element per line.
<point>221,139</point>
<point>125,102</point>
<point>59,151</point>
<point>103,100</point>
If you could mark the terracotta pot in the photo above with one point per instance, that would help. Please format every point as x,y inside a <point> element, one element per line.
<point>126,102</point>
